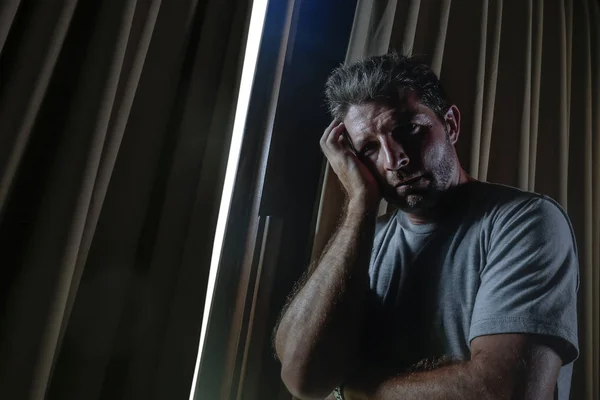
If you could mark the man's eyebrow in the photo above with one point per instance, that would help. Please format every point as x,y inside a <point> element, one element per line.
<point>358,142</point>
<point>403,117</point>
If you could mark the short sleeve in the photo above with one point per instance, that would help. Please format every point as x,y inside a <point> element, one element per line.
<point>530,279</point>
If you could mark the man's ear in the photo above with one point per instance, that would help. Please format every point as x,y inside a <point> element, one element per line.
<point>452,119</point>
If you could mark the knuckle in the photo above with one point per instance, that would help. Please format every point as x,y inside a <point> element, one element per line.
<point>331,140</point>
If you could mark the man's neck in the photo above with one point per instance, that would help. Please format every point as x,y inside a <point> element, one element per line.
<point>444,204</point>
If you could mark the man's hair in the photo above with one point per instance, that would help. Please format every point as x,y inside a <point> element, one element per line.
<point>379,79</point>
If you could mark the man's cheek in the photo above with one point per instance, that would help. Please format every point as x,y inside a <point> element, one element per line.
<point>373,168</point>
<point>433,154</point>
<point>384,186</point>
<point>387,188</point>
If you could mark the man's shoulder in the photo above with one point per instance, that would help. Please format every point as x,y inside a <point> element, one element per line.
<point>501,194</point>
<point>509,208</point>
<point>500,199</point>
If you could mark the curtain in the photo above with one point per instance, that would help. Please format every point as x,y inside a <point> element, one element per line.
<point>115,122</point>
<point>526,77</point>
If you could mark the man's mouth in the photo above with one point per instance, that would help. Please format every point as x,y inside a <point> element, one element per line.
<point>408,181</point>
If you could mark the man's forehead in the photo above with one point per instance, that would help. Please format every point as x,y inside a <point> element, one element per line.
<point>376,116</point>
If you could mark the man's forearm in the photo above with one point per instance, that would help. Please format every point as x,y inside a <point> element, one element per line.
<point>502,366</point>
<point>319,333</point>
<point>460,381</point>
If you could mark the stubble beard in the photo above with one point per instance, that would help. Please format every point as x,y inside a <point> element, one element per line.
<point>414,201</point>
<point>440,180</point>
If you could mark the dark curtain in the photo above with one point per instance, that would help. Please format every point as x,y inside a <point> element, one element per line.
<point>115,121</point>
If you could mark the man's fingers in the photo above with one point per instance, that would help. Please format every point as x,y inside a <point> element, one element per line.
<point>335,134</point>
<point>335,143</point>
<point>329,143</point>
<point>333,124</point>
<point>327,131</point>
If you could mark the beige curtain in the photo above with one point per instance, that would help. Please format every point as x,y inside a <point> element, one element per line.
<point>526,76</point>
<point>115,120</point>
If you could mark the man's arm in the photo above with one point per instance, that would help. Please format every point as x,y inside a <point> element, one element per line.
<point>524,321</point>
<point>317,338</point>
<point>506,366</point>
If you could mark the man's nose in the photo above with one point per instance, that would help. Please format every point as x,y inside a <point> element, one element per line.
<point>394,155</point>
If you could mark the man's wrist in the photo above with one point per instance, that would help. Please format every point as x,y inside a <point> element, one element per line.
<point>363,205</point>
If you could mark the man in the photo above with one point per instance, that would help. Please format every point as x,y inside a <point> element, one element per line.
<point>467,291</point>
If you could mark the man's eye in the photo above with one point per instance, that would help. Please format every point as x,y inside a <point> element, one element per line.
<point>368,149</point>
<point>407,130</point>
<point>413,129</point>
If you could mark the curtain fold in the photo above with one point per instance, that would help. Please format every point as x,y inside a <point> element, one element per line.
<point>595,276</point>
<point>115,123</point>
<point>23,93</point>
<point>525,76</point>
<point>8,11</point>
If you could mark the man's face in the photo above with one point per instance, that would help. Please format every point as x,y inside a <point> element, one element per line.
<point>408,149</point>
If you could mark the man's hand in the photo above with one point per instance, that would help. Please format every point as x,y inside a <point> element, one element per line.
<point>358,181</point>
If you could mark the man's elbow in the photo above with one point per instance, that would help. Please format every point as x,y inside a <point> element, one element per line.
<point>297,374</point>
<point>301,385</point>
<point>305,374</point>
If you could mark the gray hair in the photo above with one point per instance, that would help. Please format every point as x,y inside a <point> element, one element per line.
<point>378,79</point>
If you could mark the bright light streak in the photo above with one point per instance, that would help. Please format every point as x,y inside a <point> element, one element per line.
<point>257,20</point>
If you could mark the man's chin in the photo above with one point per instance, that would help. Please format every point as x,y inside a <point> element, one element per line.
<point>415,202</point>
<point>410,203</point>
<point>406,200</point>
